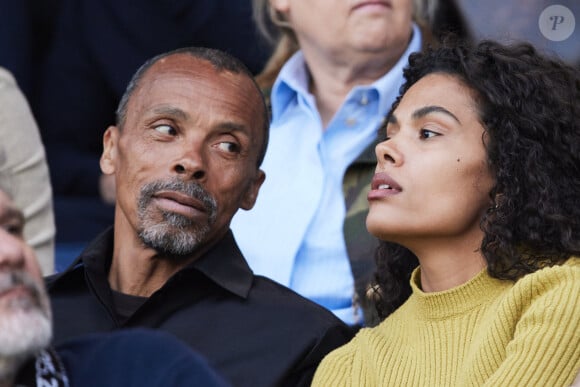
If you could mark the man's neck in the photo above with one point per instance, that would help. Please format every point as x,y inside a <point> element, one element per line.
<point>141,275</point>
<point>140,271</point>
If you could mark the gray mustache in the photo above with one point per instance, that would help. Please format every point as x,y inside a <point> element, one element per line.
<point>190,189</point>
<point>13,279</point>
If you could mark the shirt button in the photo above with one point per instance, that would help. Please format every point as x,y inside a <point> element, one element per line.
<point>351,121</point>
<point>364,100</point>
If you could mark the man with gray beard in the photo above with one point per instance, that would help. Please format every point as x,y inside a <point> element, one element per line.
<point>25,320</point>
<point>182,158</point>
<point>27,360</point>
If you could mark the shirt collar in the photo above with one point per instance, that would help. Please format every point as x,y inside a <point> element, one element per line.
<point>293,80</point>
<point>224,263</point>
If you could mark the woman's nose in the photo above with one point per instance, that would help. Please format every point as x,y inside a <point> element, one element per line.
<point>387,152</point>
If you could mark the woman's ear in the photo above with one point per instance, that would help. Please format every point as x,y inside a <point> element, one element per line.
<point>499,199</point>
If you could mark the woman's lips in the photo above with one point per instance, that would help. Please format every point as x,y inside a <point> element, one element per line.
<point>383,185</point>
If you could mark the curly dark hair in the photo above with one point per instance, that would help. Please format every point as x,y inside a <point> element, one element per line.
<point>529,105</point>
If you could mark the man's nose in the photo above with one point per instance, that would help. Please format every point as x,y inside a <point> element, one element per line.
<point>11,250</point>
<point>191,164</point>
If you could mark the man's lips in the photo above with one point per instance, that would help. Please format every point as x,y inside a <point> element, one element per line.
<point>181,200</point>
<point>16,291</point>
<point>383,185</point>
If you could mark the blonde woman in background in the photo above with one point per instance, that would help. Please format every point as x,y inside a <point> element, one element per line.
<point>336,69</point>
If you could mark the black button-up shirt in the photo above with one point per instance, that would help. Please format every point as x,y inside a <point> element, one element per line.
<point>254,331</point>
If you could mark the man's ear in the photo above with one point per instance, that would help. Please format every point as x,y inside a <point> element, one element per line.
<point>109,155</point>
<point>282,6</point>
<point>251,194</point>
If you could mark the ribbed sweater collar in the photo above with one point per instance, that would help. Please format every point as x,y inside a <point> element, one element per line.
<point>478,291</point>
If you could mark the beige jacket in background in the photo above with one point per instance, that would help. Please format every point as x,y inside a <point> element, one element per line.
<point>24,171</point>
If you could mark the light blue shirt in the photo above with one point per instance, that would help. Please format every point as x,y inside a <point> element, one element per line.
<point>294,234</point>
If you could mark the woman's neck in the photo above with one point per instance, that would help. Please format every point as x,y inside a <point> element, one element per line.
<point>447,263</point>
<point>440,275</point>
<point>331,80</point>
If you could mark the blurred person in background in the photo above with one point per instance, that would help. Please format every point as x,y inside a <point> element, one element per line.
<point>336,69</point>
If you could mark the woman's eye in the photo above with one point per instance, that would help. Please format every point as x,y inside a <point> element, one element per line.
<point>227,146</point>
<point>426,133</point>
<point>166,129</point>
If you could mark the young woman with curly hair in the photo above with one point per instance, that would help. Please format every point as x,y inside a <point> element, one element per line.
<point>478,181</point>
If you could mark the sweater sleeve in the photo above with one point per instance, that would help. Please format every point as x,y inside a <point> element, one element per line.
<point>353,364</point>
<point>336,368</point>
<point>545,348</point>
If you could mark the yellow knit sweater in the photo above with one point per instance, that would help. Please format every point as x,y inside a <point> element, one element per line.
<point>484,332</point>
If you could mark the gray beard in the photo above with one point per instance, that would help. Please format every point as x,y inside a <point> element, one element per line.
<point>176,235</point>
<point>25,322</point>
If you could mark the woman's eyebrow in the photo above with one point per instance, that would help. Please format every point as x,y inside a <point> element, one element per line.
<point>422,112</point>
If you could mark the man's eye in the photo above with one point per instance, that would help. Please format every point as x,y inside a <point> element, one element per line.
<point>16,230</point>
<point>231,147</point>
<point>166,129</point>
<point>426,133</point>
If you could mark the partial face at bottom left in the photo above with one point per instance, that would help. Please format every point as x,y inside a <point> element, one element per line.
<point>25,318</point>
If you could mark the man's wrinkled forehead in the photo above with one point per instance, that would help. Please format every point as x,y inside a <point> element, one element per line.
<point>188,65</point>
<point>235,88</point>
<point>197,70</point>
